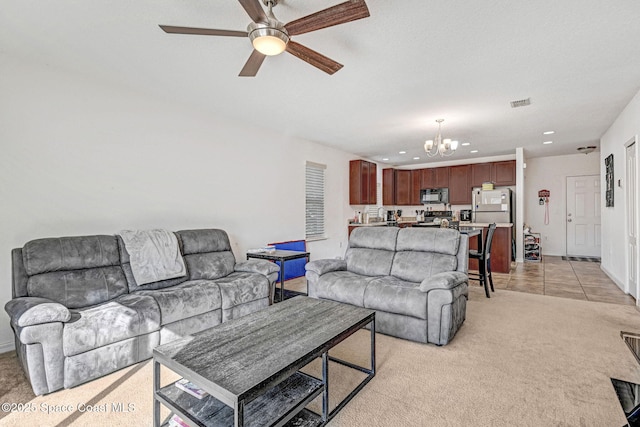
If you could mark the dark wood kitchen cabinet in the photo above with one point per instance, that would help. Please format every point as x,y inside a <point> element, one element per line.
<point>403,187</point>
<point>500,250</point>
<point>499,173</point>
<point>504,173</point>
<point>435,177</point>
<point>388,187</point>
<point>441,177</point>
<point>416,185</point>
<point>460,185</point>
<point>362,182</point>
<point>480,173</point>
<point>427,179</point>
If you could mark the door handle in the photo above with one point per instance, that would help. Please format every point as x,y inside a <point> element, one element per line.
<point>569,220</point>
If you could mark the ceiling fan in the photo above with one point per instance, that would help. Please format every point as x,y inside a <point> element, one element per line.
<point>271,37</point>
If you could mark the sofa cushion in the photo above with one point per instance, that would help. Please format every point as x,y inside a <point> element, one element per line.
<point>371,250</point>
<point>79,288</point>
<point>185,300</point>
<point>421,253</point>
<point>342,286</point>
<point>440,240</point>
<point>125,317</point>
<point>69,253</point>
<point>74,271</point>
<point>242,287</point>
<point>415,266</point>
<point>374,238</point>
<point>207,253</point>
<point>394,295</point>
<point>131,281</point>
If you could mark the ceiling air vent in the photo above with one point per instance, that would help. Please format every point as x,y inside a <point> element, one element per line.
<point>521,103</point>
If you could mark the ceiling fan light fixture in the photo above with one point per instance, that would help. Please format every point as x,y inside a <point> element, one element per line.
<point>269,41</point>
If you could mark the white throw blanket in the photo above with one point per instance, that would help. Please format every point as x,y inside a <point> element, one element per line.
<point>154,255</point>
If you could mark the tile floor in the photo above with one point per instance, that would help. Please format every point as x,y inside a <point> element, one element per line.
<point>553,276</point>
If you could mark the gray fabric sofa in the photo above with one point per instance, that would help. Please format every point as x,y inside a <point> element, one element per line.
<point>414,278</point>
<point>78,313</point>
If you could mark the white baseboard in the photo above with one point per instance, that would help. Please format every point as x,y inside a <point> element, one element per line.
<point>619,283</point>
<point>7,346</point>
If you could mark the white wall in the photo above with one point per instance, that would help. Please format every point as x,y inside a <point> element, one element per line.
<point>550,173</point>
<point>614,235</point>
<point>82,157</point>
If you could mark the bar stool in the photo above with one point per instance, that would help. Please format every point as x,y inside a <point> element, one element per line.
<point>484,262</point>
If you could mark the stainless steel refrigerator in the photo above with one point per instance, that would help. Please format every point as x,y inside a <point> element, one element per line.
<point>492,206</point>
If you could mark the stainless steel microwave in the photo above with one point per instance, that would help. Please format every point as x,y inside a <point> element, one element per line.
<point>434,195</point>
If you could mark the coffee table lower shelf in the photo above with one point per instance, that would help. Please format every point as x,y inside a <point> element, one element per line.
<point>283,403</point>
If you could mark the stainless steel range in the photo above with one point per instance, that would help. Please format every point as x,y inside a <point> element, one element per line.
<point>433,218</point>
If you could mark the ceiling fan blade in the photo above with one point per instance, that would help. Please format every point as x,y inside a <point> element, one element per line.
<point>202,31</point>
<point>335,15</point>
<point>314,58</point>
<point>253,64</point>
<point>254,10</point>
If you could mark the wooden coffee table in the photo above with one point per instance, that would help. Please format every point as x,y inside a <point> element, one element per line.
<point>250,365</point>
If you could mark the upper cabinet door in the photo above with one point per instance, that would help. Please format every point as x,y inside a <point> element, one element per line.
<point>403,187</point>
<point>481,172</point>
<point>460,185</point>
<point>428,178</point>
<point>388,187</point>
<point>504,173</point>
<point>362,182</point>
<point>373,184</point>
<point>441,177</point>
<point>416,185</point>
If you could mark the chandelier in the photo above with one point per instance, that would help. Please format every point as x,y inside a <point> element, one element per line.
<point>439,146</point>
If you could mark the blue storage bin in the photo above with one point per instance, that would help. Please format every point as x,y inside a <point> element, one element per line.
<point>295,267</point>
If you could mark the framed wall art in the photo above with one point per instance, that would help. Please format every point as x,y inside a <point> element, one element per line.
<point>608,163</point>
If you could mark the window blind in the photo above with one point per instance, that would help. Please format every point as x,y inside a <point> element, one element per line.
<point>314,189</point>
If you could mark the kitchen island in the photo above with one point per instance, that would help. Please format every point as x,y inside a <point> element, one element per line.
<point>501,248</point>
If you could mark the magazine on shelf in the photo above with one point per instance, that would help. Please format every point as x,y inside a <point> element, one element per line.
<point>191,388</point>
<point>176,421</point>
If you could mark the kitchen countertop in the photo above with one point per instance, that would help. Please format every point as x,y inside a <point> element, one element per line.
<point>485,224</point>
<point>465,224</point>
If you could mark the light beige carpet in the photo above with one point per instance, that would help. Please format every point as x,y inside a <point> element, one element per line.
<point>520,359</point>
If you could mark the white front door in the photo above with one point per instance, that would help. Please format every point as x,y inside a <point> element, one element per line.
<point>583,216</point>
<point>632,232</point>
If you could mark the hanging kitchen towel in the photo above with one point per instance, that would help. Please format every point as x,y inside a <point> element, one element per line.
<point>154,255</point>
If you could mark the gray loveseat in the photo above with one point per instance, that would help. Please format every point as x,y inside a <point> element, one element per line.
<point>78,313</point>
<point>414,278</point>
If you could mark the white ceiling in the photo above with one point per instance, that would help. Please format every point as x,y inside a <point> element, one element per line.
<point>409,63</point>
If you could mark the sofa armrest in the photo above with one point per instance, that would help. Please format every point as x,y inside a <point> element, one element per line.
<point>446,280</point>
<point>29,311</point>
<point>322,266</point>
<point>259,266</point>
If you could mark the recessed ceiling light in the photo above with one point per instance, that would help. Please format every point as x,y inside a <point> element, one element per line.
<point>416,158</point>
<point>548,142</point>
<point>385,159</point>
<point>402,152</point>
<point>473,151</point>
<point>464,144</point>
<point>549,132</point>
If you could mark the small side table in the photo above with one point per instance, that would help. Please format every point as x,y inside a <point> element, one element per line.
<point>282,256</point>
